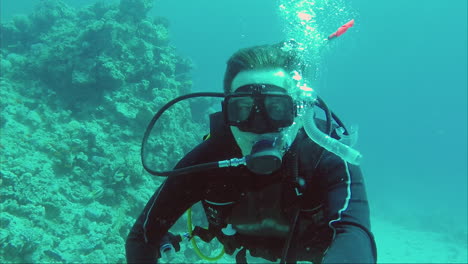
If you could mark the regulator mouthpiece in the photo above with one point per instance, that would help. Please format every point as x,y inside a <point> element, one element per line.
<point>265,157</point>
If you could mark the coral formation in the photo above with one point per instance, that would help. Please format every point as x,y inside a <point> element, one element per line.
<point>82,54</point>
<point>78,88</point>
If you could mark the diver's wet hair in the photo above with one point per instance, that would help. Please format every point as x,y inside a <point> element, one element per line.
<point>281,55</point>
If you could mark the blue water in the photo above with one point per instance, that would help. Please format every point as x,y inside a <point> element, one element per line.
<point>400,74</point>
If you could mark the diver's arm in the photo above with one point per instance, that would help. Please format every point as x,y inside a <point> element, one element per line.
<point>175,195</point>
<point>168,203</point>
<point>137,249</point>
<point>348,214</point>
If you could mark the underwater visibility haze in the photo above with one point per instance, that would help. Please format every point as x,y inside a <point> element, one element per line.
<point>80,80</point>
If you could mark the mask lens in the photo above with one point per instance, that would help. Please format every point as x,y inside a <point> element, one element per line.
<point>239,108</point>
<point>259,109</point>
<point>279,108</point>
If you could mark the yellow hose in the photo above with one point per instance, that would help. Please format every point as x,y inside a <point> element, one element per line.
<point>194,244</point>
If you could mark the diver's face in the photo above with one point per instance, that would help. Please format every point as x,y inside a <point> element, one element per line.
<point>277,77</point>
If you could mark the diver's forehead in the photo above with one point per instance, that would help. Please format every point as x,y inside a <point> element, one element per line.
<point>277,77</point>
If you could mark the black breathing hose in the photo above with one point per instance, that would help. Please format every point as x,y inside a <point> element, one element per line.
<point>151,125</point>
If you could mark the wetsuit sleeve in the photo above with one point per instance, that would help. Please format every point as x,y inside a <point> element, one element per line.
<point>175,195</point>
<point>348,213</point>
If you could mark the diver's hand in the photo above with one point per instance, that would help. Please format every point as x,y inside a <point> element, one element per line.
<point>170,244</point>
<point>174,240</point>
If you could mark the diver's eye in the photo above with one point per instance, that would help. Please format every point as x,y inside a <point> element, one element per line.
<point>276,107</point>
<point>240,108</point>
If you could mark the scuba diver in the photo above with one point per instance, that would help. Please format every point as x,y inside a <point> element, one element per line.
<point>297,193</point>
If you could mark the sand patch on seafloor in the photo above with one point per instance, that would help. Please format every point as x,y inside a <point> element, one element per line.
<point>398,244</point>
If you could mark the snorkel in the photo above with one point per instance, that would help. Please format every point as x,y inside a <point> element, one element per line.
<point>347,153</point>
<point>337,146</point>
<point>310,99</point>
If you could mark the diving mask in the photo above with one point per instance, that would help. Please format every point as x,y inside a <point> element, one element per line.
<point>259,108</point>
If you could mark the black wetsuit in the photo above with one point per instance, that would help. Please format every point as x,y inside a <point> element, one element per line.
<point>333,221</point>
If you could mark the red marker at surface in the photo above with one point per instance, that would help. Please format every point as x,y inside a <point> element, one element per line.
<point>341,30</point>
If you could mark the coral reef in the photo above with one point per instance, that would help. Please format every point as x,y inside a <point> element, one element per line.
<point>82,54</point>
<point>78,88</point>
